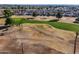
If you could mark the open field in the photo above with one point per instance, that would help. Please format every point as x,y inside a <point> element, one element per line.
<point>40,38</point>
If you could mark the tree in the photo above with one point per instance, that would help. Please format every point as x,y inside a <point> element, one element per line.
<point>76,20</point>
<point>34,14</point>
<point>48,14</point>
<point>58,15</point>
<point>8,21</point>
<point>22,48</point>
<point>75,42</point>
<point>7,14</point>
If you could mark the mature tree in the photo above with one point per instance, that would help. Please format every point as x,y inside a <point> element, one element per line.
<point>34,14</point>
<point>48,14</point>
<point>59,15</point>
<point>7,14</point>
<point>76,20</point>
<point>8,21</point>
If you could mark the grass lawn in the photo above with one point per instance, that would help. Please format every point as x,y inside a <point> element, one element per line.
<point>59,25</point>
<point>65,26</point>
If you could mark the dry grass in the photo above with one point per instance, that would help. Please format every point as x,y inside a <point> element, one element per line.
<point>2,21</point>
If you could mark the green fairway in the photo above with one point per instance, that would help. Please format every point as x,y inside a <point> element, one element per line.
<point>65,26</point>
<point>59,25</point>
<point>21,20</point>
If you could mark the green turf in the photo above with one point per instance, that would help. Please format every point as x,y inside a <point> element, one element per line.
<point>59,25</point>
<point>21,20</point>
<point>65,26</point>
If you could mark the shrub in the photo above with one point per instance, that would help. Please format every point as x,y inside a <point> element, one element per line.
<point>55,20</point>
<point>8,21</point>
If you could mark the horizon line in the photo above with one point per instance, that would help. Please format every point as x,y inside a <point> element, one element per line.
<point>39,4</point>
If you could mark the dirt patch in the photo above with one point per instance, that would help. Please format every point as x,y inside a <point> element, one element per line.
<point>39,49</point>
<point>32,39</point>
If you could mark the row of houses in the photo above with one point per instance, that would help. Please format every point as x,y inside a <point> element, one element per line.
<point>44,11</point>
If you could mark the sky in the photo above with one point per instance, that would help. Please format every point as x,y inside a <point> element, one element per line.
<point>75,2</point>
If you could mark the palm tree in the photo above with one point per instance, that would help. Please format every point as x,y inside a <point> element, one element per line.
<point>75,42</point>
<point>22,48</point>
<point>76,21</point>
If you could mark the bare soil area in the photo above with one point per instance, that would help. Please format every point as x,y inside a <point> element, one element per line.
<point>38,39</point>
